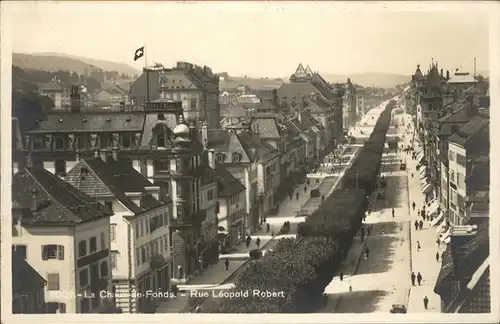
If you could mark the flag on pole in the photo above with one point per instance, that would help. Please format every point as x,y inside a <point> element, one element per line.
<point>139,53</point>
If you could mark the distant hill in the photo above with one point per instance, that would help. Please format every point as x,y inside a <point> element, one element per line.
<point>253,83</point>
<point>59,61</point>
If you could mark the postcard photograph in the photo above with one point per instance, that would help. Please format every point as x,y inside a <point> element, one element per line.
<point>267,157</point>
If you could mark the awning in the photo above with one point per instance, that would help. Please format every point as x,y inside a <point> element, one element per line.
<point>222,232</point>
<point>426,189</point>
<point>445,235</point>
<point>447,239</point>
<point>440,228</point>
<point>422,170</point>
<point>423,176</point>
<point>436,220</point>
<point>423,182</point>
<point>433,208</point>
<point>420,157</point>
<point>418,149</point>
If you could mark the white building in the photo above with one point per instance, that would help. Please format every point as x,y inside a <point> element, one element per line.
<point>64,235</point>
<point>139,228</point>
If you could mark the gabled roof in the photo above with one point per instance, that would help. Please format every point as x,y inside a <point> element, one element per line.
<point>209,176</point>
<point>309,121</point>
<point>227,184</point>
<point>267,127</point>
<point>297,90</point>
<point>269,105</point>
<point>232,110</point>
<point>308,70</point>
<point>53,201</point>
<point>462,77</point>
<point>479,176</point>
<point>255,148</point>
<point>50,86</point>
<point>67,122</point>
<point>113,179</point>
<point>469,130</point>
<point>25,279</point>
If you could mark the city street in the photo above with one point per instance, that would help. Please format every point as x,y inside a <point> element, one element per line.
<point>383,278</point>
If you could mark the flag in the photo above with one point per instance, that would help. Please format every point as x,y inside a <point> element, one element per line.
<point>139,53</point>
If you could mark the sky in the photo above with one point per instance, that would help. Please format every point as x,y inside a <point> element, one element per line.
<point>260,39</point>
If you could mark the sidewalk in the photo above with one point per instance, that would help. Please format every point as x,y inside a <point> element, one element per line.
<point>423,261</point>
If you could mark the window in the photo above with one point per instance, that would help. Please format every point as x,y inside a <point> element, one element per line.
<point>141,228</point>
<point>82,248</point>
<point>53,281</point>
<point>193,104</point>
<point>37,163</point>
<point>220,158</point>
<point>143,255</point>
<point>165,217</point>
<point>103,241</point>
<point>84,172</point>
<point>112,232</point>
<point>84,277</point>
<point>165,242</point>
<point>137,256</point>
<point>210,195</point>
<point>104,269</point>
<point>59,143</point>
<point>52,251</point>
<point>38,143</point>
<point>179,211</point>
<point>109,205</point>
<point>452,176</point>
<point>114,260</point>
<point>21,250</point>
<point>461,160</point>
<point>93,244</point>
<point>161,140</point>
<point>126,140</point>
<point>161,165</point>
<point>451,156</point>
<point>60,167</point>
<point>236,157</point>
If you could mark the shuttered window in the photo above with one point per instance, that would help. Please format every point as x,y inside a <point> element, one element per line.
<point>53,281</point>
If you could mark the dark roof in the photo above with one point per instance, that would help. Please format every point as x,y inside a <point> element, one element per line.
<point>297,90</point>
<point>266,127</point>
<point>232,110</point>
<point>309,121</point>
<point>25,279</point>
<point>469,130</point>
<point>208,176</point>
<point>268,104</point>
<point>255,148</point>
<point>114,179</point>
<point>479,176</point>
<point>227,184</point>
<point>54,201</point>
<point>50,86</point>
<point>90,122</point>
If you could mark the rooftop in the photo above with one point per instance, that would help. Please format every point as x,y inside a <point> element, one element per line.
<point>227,184</point>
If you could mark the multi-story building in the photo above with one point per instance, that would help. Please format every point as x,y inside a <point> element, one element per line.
<point>139,228</point>
<point>231,206</point>
<point>468,149</point>
<point>158,142</point>
<point>56,92</point>
<point>360,102</point>
<point>64,234</point>
<point>195,86</point>
<point>208,195</point>
<point>28,286</point>
<point>349,109</point>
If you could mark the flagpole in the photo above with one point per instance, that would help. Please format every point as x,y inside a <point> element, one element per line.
<point>147,72</point>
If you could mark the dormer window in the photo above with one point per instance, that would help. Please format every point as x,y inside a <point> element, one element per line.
<point>236,157</point>
<point>220,158</point>
<point>59,143</point>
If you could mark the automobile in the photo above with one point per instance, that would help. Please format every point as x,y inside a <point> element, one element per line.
<point>398,309</point>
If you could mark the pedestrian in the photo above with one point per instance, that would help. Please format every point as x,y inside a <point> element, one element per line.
<point>418,212</point>
<point>268,227</point>
<point>419,278</point>
<point>426,302</point>
<point>297,195</point>
<point>412,175</point>
<point>350,287</point>
<point>413,278</point>
<point>341,276</point>
<point>258,242</point>
<point>323,198</point>
<point>437,256</point>
<point>416,225</point>
<point>414,205</point>
<point>305,189</point>
<point>367,252</point>
<point>421,224</point>
<point>226,263</point>
<point>248,240</point>
<point>418,246</point>
<point>368,231</point>
<point>438,242</point>
<point>393,213</point>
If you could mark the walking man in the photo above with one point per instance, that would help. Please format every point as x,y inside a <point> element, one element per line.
<point>413,205</point>
<point>248,240</point>
<point>226,263</point>
<point>258,242</point>
<point>323,198</point>
<point>416,225</point>
<point>393,213</point>
<point>367,252</point>
<point>305,189</point>
<point>341,276</point>
<point>421,224</point>
<point>418,246</point>
<point>419,278</point>
<point>297,195</point>
<point>437,256</point>
<point>438,242</point>
<point>426,302</point>
<point>412,278</point>
<point>268,227</point>
<point>418,212</point>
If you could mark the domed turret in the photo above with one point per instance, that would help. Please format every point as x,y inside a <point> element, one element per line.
<point>181,130</point>
<point>182,133</point>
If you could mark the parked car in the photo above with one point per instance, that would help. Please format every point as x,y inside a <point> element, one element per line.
<point>398,309</point>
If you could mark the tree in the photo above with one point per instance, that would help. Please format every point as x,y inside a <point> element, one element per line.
<point>29,107</point>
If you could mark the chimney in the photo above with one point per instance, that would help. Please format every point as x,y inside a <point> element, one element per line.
<point>103,155</point>
<point>34,201</point>
<point>114,154</point>
<point>442,73</point>
<point>471,108</point>
<point>447,74</point>
<point>275,96</point>
<point>211,158</point>
<point>75,99</point>
<point>204,134</point>
<point>154,191</point>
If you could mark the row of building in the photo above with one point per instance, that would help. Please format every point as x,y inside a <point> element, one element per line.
<point>108,206</point>
<point>452,148</point>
